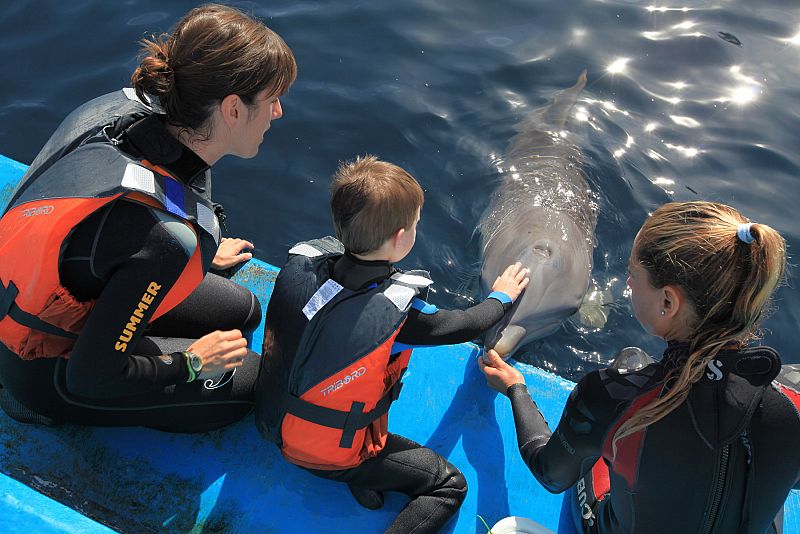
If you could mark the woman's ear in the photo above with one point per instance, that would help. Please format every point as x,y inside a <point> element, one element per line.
<point>231,108</point>
<point>672,301</point>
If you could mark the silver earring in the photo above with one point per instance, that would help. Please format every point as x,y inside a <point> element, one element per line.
<point>663,312</point>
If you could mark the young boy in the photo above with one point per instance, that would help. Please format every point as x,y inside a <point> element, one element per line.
<point>340,326</point>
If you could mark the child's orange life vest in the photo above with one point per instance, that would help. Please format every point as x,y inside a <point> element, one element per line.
<point>329,373</point>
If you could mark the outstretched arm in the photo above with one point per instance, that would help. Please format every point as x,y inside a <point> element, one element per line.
<point>556,463</point>
<point>231,252</point>
<point>428,325</point>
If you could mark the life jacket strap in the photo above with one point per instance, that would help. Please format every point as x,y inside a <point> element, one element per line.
<point>348,422</point>
<point>8,306</point>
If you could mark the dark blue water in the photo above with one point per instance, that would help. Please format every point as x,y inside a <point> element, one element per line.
<point>693,100</point>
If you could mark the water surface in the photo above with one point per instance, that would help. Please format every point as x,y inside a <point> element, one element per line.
<point>697,100</point>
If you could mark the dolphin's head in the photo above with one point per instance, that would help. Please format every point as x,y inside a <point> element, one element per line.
<point>559,259</point>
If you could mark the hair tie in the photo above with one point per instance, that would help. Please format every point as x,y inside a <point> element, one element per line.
<point>743,233</point>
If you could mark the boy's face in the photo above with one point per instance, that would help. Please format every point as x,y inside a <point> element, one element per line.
<point>405,242</point>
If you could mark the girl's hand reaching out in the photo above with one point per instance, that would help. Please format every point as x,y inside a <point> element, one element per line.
<point>499,375</point>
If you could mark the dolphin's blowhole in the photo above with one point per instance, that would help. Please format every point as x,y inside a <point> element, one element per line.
<point>543,248</point>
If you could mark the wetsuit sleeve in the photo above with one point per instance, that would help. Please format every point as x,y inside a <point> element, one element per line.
<point>428,325</point>
<point>558,459</point>
<point>136,258</point>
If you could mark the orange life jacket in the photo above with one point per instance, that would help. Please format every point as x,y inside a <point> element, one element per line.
<point>79,171</point>
<point>329,372</point>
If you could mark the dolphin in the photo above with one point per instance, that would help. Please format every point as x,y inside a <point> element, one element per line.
<point>542,214</point>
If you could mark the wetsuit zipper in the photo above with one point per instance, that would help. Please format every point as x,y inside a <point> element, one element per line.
<point>719,489</point>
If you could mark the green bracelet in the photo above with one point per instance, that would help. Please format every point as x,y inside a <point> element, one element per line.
<point>192,374</point>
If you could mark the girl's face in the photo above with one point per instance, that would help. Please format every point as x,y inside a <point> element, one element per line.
<point>646,300</point>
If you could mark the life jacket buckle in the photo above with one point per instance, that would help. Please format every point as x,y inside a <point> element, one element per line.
<point>113,140</point>
<point>352,423</point>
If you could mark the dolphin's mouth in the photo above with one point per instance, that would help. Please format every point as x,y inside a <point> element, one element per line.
<point>506,340</point>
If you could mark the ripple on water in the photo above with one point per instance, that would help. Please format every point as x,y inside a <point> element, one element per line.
<point>148,19</point>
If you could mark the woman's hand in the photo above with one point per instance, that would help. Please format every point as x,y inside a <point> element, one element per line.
<point>220,351</point>
<point>499,375</point>
<point>512,281</point>
<point>231,252</point>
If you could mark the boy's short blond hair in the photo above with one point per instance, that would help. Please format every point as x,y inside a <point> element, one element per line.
<point>370,201</point>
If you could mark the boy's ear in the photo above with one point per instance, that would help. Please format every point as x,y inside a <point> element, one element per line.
<point>396,237</point>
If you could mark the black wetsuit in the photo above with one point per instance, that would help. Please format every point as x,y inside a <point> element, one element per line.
<point>436,487</point>
<point>112,256</point>
<point>724,461</point>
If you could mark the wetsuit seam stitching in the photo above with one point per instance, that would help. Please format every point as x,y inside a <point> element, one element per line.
<point>438,505</point>
<point>96,239</point>
<point>412,466</point>
<point>252,306</point>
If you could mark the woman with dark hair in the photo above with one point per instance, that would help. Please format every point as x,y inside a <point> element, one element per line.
<point>705,440</point>
<point>108,314</point>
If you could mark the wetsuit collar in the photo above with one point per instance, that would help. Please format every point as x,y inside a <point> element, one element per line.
<point>355,274</point>
<point>149,139</point>
<point>757,365</point>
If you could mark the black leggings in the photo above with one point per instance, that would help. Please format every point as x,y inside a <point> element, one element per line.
<point>436,487</point>
<point>217,304</point>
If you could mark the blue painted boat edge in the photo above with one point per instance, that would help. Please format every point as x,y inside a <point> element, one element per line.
<point>10,173</point>
<point>26,510</point>
<point>7,164</point>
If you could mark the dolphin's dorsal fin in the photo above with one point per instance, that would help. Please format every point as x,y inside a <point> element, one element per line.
<point>557,112</point>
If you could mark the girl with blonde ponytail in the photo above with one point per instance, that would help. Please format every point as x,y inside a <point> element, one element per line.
<point>726,278</point>
<point>704,440</point>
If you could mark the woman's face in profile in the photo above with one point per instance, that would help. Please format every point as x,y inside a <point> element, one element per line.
<point>265,109</point>
<point>645,299</point>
